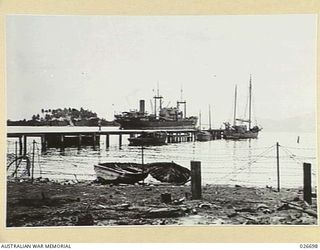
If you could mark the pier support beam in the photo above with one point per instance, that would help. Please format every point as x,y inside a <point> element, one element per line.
<point>94,140</point>
<point>120,140</point>
<point>61,141</point>
<point>80,140</point>
<point>107,140</point>
<point>20,145</point>
<point>43,144</point>
<point>24,145</point>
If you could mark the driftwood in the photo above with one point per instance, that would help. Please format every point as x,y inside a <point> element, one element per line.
<point>297,207</point>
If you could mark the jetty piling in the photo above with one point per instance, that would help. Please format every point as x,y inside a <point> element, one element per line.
<point>107,140</point>
<point>20,145</point>
<point>120,140</point>
<point>92,138</point>
<point>24,145</point>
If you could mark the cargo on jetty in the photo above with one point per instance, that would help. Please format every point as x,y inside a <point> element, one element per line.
<point>47,203</point>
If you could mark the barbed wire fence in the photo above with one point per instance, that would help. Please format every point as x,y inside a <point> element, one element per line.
<point>254,167</point>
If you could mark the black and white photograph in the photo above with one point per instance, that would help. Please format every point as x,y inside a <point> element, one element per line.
<point>172,120</point>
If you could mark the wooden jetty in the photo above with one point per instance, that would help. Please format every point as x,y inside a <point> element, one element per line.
<point>80,138</point>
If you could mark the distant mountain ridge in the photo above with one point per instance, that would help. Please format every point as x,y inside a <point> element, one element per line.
<point>302,123</point>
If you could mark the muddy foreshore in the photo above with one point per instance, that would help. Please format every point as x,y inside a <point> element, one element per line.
<point>46,203</point>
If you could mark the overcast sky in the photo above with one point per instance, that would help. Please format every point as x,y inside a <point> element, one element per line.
<point>108,63</point>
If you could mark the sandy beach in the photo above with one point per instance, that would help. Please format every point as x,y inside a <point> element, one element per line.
<point>47,203</point>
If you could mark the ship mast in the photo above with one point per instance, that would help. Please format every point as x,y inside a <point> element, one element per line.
<point>184,103</point>
<point>157,97</point>
<point>250,92</point>
<point>235,107</point>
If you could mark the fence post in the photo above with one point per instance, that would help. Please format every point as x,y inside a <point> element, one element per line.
<point>307,195</point>
<point>278,167</point>
<point>32,170</point>
<point>196,180</point>
<point>16,156</point>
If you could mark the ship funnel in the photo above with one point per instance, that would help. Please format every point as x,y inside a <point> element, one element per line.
<point>142,106</point>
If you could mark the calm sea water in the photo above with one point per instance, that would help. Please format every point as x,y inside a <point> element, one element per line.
<point>247,162</point>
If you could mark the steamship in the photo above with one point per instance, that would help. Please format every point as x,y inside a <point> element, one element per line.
<point>162,118</point>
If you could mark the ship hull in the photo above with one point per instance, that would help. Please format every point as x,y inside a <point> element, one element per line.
<point>160,124</point>
<point>203,136</point>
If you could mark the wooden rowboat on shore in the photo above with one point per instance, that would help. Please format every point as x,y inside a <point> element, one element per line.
<point>127,173</point>
<point>130,173</point>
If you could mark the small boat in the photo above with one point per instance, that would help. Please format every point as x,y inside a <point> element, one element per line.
<point>203,135</point>
<point>130,173</point>
<point>169,172</point>
<point>149,139</point>
<point>116,172</point>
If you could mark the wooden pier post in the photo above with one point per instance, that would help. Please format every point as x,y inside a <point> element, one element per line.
<point>94,139</point>
<point>107,140</point>
<point>43,144</point>
<point>62,141</point>
<point>80,140</point>
<point>20,145</point>
<point>196,180</point>
<point>24,145</point>
<point>307,191</point>
<point>120,140</point>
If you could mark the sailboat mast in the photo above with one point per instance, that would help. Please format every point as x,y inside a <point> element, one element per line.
<point>250,93</point>
<point>209,117</point>
<point>200,119</point>
<point>235,107</point>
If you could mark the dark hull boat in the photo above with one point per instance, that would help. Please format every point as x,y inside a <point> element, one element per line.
<point>149,139</point>
<point>203,136</point>
<point>169,172</point>
<point>162,118</point>
<point>127,173</point>
<point>238,132</point>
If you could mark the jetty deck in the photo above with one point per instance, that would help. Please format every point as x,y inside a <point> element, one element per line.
<point>83,137</point>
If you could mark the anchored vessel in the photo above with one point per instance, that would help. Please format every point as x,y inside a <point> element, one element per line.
<point>149,139</point>
<point>241,131</point>
<point>162,118</point>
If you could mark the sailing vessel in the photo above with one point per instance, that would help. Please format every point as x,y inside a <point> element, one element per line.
<point>165,118</point>
<point>244,130</point>
<point>204,135</point>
